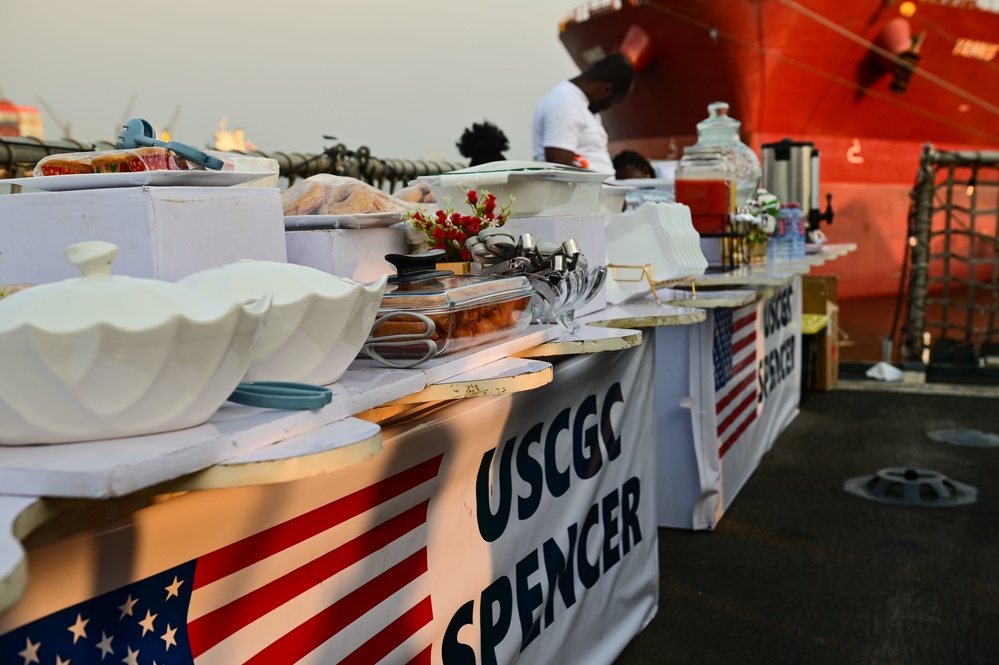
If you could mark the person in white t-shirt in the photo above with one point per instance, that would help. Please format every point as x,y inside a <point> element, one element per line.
<point>566,128</point>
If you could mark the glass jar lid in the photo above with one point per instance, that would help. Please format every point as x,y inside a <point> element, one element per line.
<point>718,127</point>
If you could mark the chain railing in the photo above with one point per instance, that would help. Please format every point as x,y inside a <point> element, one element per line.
<point>18,156</point>
<point>953,294</point>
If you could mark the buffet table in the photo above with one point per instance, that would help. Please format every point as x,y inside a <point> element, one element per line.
<point>726,388</point>
<point>404,521</point>
<point>433,526</point>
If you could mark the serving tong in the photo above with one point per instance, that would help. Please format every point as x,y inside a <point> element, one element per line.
<point>138,133</point>
<point>546,264</point>
<point>407,340</point>
<point>411,269</point>
<point>496,250</point>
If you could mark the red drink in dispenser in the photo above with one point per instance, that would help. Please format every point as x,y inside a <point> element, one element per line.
<point>705,182</point>
<point>710,201</point>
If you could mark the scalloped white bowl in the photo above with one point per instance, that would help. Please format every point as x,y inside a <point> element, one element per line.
<point>102,357</point>
<point>317,324</point>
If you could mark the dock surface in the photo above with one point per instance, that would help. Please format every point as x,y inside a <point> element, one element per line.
<point>800,571</point>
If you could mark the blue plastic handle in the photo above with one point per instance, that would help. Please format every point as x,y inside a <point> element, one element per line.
<point>281,395</point>
<point>136,133</point>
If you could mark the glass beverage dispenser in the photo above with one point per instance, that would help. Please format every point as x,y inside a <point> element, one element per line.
<point>717,139</point>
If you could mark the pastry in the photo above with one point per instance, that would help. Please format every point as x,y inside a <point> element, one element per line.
<point>304,198</point>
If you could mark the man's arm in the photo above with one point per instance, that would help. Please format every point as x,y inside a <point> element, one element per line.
<point>559,156</point>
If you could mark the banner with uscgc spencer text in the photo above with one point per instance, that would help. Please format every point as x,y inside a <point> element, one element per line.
<point>510,529</point>
<point>542,536</point>
<point>746,381</point>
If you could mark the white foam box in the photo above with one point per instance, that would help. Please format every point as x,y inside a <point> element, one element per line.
<point>357,254</point>
<point>161,232</point>
<point>587,230</point>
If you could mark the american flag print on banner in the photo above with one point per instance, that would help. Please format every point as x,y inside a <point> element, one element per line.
<point>288,594</point>
<point>734,357</point>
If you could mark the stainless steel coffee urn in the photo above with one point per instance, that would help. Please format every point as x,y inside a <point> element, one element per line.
<point>791,173</point>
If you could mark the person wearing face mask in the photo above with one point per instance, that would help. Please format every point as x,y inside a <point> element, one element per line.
<point>567,128</point>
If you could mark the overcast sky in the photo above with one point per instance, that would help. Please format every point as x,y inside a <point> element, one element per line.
<point>403,77</point>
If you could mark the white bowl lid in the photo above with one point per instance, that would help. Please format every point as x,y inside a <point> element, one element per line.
<point>287,282</point>
<point>98,297</point>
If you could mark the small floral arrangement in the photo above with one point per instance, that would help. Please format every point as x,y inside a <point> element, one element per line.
<point>448,230</point>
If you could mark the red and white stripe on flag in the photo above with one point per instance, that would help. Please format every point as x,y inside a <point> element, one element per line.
<point>734,354</point>
<point>343,583</point>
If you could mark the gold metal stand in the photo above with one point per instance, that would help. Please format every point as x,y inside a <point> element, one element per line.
<point>647,273</point>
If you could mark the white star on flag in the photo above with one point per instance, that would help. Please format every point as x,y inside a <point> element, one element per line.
<point>105,645</point>
<point>127,607</point>
<point>169,637</point>
<point>174,589</point>
<point>132,658</point>
<point>30,652</point>
<point>147,623</point>
<point>79,629</point>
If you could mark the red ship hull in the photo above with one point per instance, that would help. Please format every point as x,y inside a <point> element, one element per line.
<point>819,71</point>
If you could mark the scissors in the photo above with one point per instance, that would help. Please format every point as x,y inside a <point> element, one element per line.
<point>281,395</point>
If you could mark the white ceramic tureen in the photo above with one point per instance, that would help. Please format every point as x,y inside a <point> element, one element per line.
<point>317,324</point>
<point>105,356</point>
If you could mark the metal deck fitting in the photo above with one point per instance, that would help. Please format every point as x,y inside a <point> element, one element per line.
<point>906,486</point>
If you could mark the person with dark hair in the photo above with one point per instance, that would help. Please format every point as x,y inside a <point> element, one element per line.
<point>567,128</point>
<point>629,164</point>
<point>483,143</point>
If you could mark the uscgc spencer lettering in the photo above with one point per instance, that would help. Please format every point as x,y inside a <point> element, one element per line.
<point>552,569</point>
<point>778,363</point>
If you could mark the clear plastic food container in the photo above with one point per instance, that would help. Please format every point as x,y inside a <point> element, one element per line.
<point>430,312</point>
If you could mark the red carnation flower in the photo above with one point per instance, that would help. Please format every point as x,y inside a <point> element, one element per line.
<point>466,255</point>
<point>473,197</point>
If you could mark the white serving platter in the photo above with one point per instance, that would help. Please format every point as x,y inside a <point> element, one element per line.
<point>76,181</point>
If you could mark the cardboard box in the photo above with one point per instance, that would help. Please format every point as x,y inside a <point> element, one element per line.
<point>357,254</point>
<point>586,230</point>
<point>161,232</point>
<point>819,296</point>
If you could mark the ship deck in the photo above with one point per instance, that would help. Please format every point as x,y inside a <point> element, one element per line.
<point>800,571</point>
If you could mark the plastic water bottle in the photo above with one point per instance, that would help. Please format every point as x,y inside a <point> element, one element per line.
<point>777,247</point>
<point>772,247</point>
<point>793,220</point>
